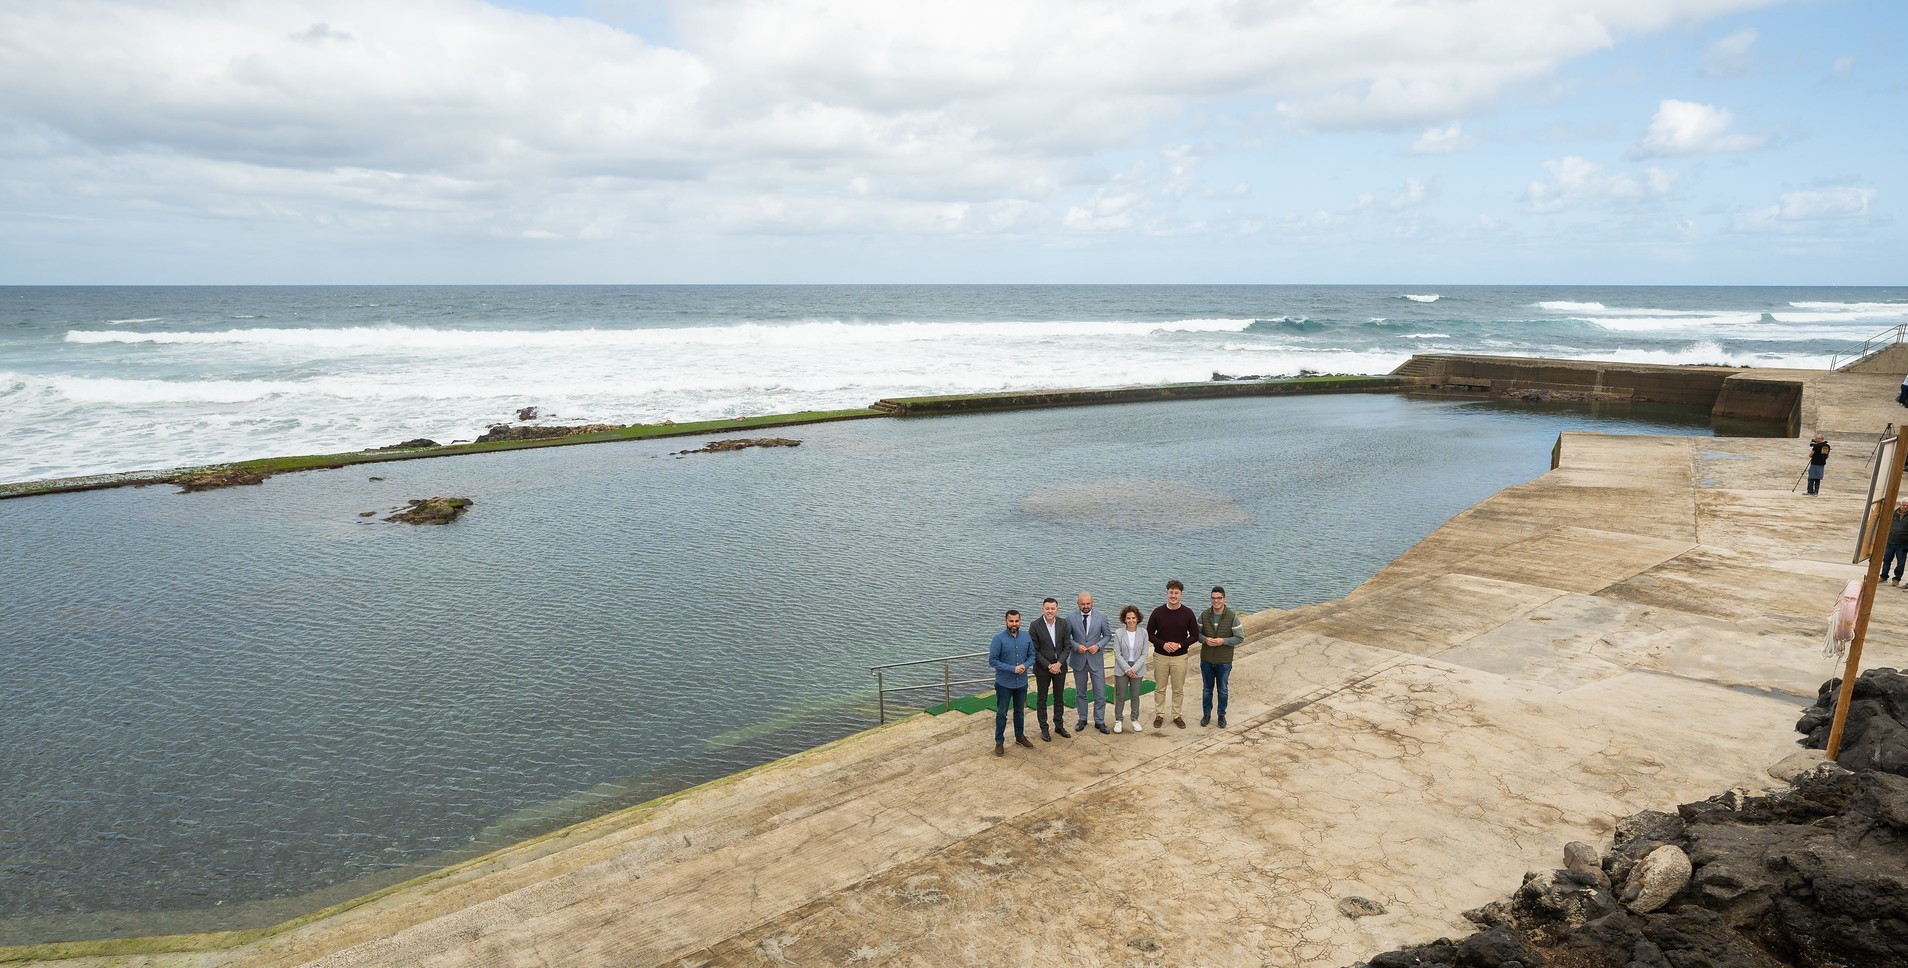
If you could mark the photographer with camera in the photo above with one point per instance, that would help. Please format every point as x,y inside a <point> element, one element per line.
<point>1818,462</point>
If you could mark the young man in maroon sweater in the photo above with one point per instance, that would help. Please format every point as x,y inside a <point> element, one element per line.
<point>1173,629</point>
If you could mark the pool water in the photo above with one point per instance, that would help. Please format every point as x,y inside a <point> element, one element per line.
<point>224,709</point>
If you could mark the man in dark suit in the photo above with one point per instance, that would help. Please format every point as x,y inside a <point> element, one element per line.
<point>1052,642</point>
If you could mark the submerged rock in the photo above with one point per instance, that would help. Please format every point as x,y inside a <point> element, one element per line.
<point>742,443</point>
<point>1137,503</point>
<point>211,480</point>
<point>432,510</point>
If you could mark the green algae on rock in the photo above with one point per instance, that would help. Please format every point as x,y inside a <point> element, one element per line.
<point>432,510</point>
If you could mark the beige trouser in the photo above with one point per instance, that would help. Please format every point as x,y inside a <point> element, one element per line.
<point>1169,672</point>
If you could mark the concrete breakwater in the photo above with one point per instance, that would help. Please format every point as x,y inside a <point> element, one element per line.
<point>1637,628</point>
<point>1756,396</point>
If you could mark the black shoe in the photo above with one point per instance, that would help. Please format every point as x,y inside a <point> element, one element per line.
<point>1045,737</point>
<point>1222,720</point>
<point>1102,728</point>
<point>1062,730</point>
<point>1205,720</point>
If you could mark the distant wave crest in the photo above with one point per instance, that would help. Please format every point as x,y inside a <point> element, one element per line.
<point>1853,307</point>
<point>1287,324</point>
<point>1564,306</point>
<point>792,334</point>
<point>1427,298</point>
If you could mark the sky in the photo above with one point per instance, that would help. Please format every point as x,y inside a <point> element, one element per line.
<point>1722,142</point>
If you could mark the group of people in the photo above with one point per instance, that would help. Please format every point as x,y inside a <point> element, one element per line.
<point>1054,646</point>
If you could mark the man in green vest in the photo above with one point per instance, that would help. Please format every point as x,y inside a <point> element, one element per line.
<point>1219,634</point>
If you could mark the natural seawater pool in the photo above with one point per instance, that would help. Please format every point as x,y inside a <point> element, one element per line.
<point>226,709</point>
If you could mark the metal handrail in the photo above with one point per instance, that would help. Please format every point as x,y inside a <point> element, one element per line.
<point>1897,333</point>
<point>947,682</point>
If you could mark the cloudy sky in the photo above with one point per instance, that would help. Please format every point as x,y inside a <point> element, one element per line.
<point>640,141</point>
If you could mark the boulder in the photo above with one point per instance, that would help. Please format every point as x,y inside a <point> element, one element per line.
<point>1359,907</point>
<point>1653,882</point>
<point>432,510</point>
<point>1497,948</point>
<point>527,413</point>
<point>1795,764</point>
<point>413,444</point>
<point>1874,737</point>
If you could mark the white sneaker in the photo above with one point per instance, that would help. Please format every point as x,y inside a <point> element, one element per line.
<point>1136,726</point>
<point>1116,725</point>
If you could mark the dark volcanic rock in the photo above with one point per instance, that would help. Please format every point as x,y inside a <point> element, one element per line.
<point>211,480</point>
<point>742,443</point>
<point>499,432</point>
<point>1815,875</point>
<point>412,444</point>
<point>1874,738</point>
<point>432,510</point>
<point>527,413</point>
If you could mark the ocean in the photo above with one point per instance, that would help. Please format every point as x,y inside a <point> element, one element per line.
<point>107,379</point>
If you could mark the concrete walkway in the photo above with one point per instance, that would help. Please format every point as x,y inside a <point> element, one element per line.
<point>1639,627</point>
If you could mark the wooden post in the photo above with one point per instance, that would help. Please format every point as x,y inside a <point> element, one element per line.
<point>1877,542</point>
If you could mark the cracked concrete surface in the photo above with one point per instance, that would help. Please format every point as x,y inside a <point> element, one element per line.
<point>1629,631</point>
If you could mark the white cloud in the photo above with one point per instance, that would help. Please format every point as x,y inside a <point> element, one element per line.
<point>1688,128</point>
<point>1732,56</point>
<point>1182,171</point>
<point>1415,193</point>
<point>1824,203</point>
<point>772,116</point>
<point>1843,66</point>
<point>1571,181</point>
<point>1793,209</point>
<point>1448,140</point>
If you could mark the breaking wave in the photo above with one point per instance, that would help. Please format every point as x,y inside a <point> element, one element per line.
<point>745,334</point>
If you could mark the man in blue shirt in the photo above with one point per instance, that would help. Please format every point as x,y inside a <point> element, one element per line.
<point>1011,654</point>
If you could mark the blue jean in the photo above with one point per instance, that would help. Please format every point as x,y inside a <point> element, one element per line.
<point>1211,674</point>
<point>1002,698</point>
<point>1894,557</point>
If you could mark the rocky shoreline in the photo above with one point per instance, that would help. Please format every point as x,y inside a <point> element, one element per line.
<point>1814,875</point>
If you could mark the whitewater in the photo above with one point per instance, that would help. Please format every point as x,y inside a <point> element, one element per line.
<point>105,379</point>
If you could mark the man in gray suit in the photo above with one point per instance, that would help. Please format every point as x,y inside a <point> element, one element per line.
<point>1090,636</point>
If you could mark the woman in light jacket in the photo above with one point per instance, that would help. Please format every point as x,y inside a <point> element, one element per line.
<point>1129,667</point>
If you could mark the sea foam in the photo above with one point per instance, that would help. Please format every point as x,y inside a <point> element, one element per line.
<point>786,334</point>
